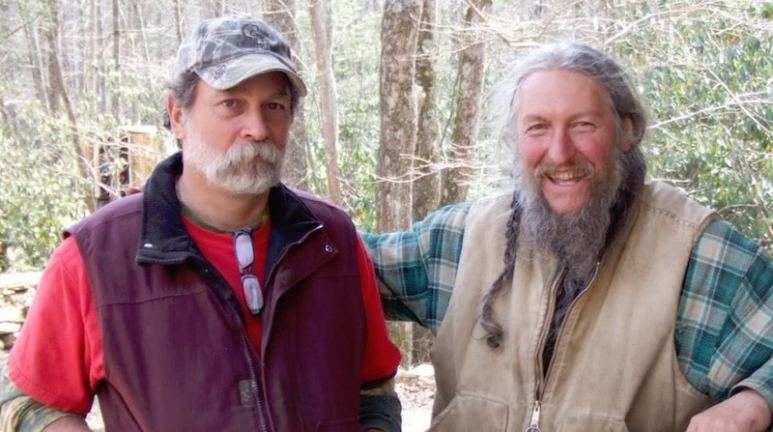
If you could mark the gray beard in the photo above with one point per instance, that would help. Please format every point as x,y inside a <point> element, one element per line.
<point>579,240</point>
<point>245,168</point>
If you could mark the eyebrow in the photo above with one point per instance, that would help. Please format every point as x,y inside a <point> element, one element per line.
<point>532,117</point>
<point>538,117</point>
<point>285,92</point>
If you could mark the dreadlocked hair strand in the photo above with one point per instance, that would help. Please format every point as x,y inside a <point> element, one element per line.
<point>494,330</point>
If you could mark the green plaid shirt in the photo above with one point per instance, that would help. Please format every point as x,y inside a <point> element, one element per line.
<point>724,328</point>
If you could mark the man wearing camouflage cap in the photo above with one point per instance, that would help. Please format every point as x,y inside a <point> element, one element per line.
<point>218,299</point>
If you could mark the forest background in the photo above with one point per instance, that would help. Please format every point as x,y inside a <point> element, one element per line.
<point>399,119</point>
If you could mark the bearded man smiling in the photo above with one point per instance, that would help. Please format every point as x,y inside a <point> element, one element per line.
<point>585,299</point>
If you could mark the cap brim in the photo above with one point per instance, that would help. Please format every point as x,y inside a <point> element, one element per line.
<point>229,74</point>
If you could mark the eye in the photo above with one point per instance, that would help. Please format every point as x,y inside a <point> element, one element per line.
<point>229,107</point>
<point>275,106</point>
<point>229,103</point>
<point>583,126</point>
<point>535,129</point>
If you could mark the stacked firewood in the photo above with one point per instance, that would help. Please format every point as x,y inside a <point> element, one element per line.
<point>17,290</point>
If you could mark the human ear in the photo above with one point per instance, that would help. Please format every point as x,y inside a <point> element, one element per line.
<point>175,117</point>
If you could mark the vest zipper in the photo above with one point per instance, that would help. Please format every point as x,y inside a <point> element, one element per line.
<point>267,334</point>
<point>544,376</point>
<point>540,375</point>
<point>255,377</point>
<point>534,424</point>
<point>262,426</point>
<point>255,370</point>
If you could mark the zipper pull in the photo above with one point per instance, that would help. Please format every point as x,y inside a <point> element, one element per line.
<point>534,424</point>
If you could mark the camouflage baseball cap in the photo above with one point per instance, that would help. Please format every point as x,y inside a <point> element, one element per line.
<point>225,51</point>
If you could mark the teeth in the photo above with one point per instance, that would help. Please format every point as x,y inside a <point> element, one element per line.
<point>566,175</point>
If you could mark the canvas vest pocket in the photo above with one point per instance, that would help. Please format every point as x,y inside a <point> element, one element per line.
<point>473,413</point>
<point>587,423</point>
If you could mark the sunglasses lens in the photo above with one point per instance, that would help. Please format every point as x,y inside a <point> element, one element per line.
<point>252,293</point>
<point>243,244</point>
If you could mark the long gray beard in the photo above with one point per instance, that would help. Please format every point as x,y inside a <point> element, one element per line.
<point>579,240</point>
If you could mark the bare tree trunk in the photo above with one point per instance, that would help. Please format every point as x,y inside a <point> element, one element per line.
<point>101,79</point>
<point>91,70</point>
<point>8,115</point>
<point>83,30</point>
<point>36,65</point>
<point>470,73</point>
<point>426,189</point>
<point>4,261</point>
<point>178,22</point>
<point>281,14</point>
<point>116,82</point>
<point>141,23</point>
<point>399,30</point>
<point>327,97</point>
<point>51,34</point>
<point>328,14</point>
<point>126,23</point>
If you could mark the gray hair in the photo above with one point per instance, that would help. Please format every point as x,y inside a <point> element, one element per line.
<point>580,58</point>
<point>183,89</point>
<point>626,104</point>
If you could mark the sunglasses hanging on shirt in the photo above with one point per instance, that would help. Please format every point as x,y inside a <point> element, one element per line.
<point>245,257</point>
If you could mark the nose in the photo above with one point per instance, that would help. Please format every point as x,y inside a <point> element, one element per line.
<point>561,148</point>
<point>255,127</point>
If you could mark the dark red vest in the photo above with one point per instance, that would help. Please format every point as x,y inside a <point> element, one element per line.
<point>175,349</point>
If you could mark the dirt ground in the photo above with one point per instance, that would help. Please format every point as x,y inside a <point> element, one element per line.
<point>416,389</point>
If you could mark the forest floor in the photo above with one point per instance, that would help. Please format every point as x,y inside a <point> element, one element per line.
<point>416,389</point>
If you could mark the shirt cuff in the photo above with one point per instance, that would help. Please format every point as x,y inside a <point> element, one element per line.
<point>380,407</point>
<point>380,412</point>
<point>760,381</point>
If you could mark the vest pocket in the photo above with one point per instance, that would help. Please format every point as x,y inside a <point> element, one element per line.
<point>471,412</point>
<point>592,424</point>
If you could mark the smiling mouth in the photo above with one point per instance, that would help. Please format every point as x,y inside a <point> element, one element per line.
<point>566,176</point>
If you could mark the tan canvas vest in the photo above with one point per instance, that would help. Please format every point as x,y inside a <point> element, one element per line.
<point>614,367</point>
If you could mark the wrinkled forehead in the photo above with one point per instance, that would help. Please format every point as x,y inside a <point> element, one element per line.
<point>559,91</point>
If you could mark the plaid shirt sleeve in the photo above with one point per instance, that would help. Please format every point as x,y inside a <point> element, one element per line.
<point>724,331</point>
<point>20,413</point>
<point>724,328</point>
<point>417,268</point>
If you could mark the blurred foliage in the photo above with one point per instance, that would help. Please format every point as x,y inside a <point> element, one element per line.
<point>37,198</point>
<point>708,89</point>
<point>704,67</point>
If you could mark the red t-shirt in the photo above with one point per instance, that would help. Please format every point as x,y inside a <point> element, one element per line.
<point>58,358</point>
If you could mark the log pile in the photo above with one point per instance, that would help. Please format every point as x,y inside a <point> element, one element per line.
<point>17,290</point>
